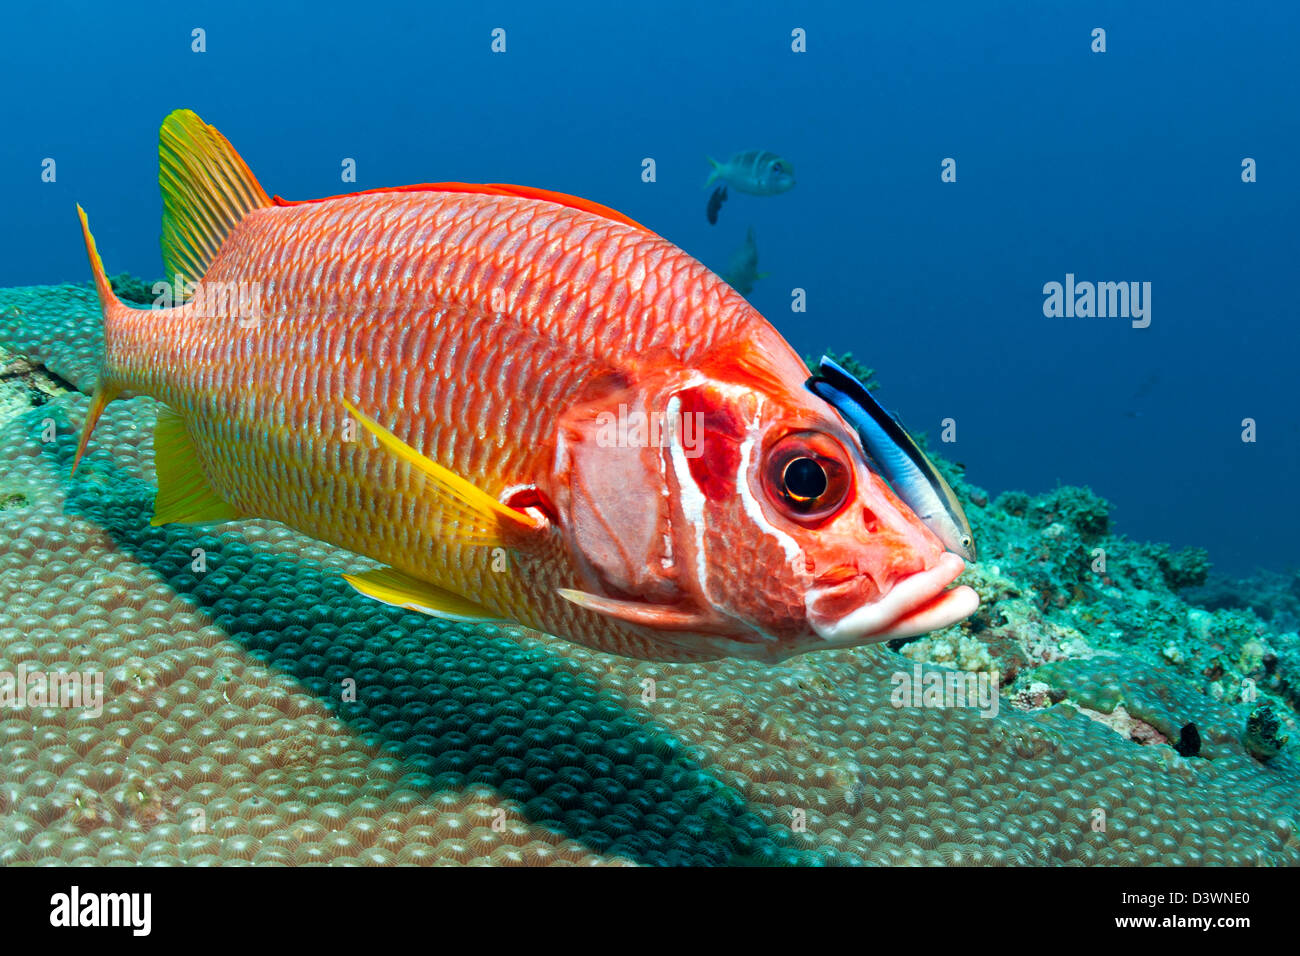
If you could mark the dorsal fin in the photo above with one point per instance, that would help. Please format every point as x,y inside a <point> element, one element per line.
<point>206,188</point>
<point>488,189</point>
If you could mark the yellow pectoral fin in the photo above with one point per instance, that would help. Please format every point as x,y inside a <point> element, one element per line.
<point>471,514</point>
<point>184,494</point>
<point>402,590</point>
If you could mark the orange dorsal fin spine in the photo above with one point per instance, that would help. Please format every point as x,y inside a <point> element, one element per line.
<point>206,188</point>
<point>487,189</point>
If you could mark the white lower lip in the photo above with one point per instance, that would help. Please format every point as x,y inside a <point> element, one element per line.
<point>915,605</point>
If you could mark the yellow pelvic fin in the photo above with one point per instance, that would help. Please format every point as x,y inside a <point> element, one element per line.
<point>402,590</point>
<point>184,495</point>
<point>473,516</point>
<point>206,187</point>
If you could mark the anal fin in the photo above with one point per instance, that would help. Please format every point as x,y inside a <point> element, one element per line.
<point>184,494</point>
<point>401,590</point>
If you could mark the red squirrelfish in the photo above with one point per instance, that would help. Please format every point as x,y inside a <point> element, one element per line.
<point>526,406</point>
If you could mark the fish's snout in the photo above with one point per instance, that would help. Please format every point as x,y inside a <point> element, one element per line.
<point>868,571</point>
<point>914,604</point>
<point>889,577</point>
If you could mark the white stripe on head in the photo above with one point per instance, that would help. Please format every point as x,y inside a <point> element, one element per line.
<point>755,511</point>
<point>692,498</point>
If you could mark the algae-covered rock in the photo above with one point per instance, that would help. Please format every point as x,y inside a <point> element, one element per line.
<point>1264,738</point>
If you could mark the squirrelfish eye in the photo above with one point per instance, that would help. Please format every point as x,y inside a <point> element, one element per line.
<point>804,479</point>
<point>807,476</point>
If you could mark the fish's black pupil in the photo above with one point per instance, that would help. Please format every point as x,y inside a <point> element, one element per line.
<point>805,479</point>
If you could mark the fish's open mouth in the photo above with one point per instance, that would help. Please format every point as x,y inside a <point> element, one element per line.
<point>919,603</point>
